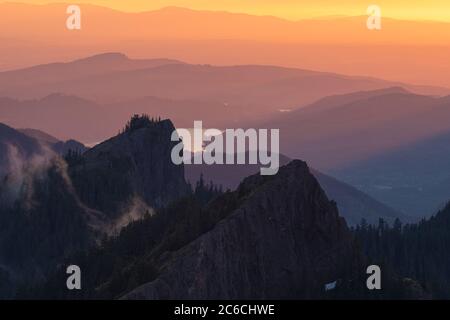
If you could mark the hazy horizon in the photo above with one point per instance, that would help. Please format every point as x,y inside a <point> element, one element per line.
<point>285,9</point>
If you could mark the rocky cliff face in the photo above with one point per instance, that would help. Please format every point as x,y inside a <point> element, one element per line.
<point>135,164</point>
<point>284,240</point>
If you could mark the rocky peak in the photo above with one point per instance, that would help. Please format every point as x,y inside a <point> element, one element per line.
<point>135,163</point>
<point>285,239</point>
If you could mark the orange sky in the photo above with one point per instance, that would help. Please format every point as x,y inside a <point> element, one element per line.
<point>290,9</point>
<point>407,51</point>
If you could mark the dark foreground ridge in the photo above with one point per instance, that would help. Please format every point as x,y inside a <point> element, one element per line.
<point>283,240</point>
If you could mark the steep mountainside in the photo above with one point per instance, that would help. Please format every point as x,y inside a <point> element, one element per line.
<point>284,239</point>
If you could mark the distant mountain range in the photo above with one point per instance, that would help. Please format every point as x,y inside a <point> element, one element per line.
<point>337,131</point>
<point>338,44</point>
<point>113,77</point>
<point>69,117</point>
<point>99,93</point>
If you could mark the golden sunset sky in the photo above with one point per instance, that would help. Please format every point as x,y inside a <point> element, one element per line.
<point>288,9</point>
<point>410,51</point>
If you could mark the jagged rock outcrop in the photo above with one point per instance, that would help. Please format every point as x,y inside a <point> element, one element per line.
<point>135,163</point>
<point>284,240</point>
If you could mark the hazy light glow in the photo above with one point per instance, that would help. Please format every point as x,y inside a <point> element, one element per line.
<point>290,9</point>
